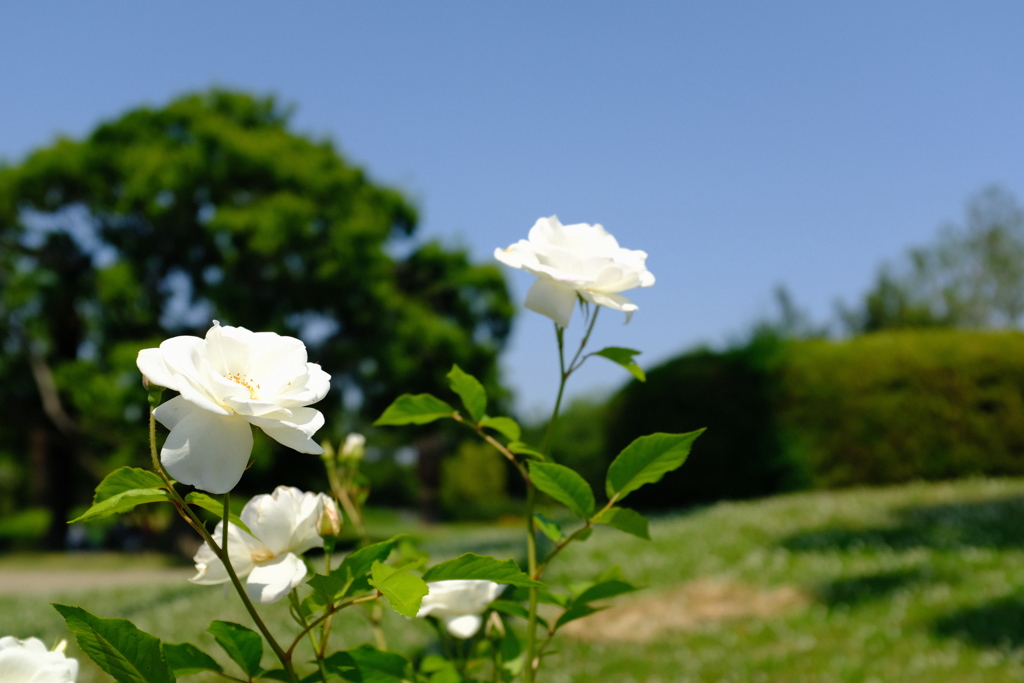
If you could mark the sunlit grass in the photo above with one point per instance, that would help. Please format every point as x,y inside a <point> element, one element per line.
<point>915,583</point>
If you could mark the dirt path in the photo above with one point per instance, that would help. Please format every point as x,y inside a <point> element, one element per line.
<point>34,582</point>
<point>687,607</point>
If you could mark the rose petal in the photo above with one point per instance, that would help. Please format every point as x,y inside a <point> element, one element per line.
<point>152,366</point>
<point>552,299</point>
<point>616,301</point>
<point>295,432</point>
<point>271,581</point>
<point>210,570</point>
<point>206,450</point>
<point>28,661</point>
<point>464,626</point>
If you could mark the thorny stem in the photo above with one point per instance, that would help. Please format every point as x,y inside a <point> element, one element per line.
<point>220,551</point>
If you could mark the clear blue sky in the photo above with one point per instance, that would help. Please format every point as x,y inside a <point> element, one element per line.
<point>741,144</point>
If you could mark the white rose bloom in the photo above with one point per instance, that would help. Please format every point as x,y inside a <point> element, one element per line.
<point>28,661</point>
<point>283,525</point>
<point>232,379</point>
<point>571,260</point>
<point>459,604</point>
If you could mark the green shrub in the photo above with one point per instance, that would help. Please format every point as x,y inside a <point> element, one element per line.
<point>739,456</point>
<point>882,408</point>
<point>897,406</point>
<point>473,483</point>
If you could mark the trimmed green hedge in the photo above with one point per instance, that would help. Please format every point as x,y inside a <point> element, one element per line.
<point>882,408</point>
<point>892,407</point>
<point>739,456</point>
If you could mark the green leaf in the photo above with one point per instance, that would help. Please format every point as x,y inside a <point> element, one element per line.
<point>276,675</point>
<point>470,566</point>
<point>565,486</point>
<point>243,645</point>
<point>623,357</point>
<point>543,596</point>
<point>509,607</point>
<point>416,409</point>
<point>504,425</point>
<point>403,591</point>
<point>215,507</point>
<point>647,460</point>
<point>126,479</point>
<point>440,670</point>
<point>515,609</point>
<point>186,658</point>
<point>520,448</point>
<point>627,520</point>
<point>548,527</point>
<point>124,501</point>
<point>469,389</point>
<point>604,590</point>
<point>351,575</point>
<point>118,647</point>
<point>367,664</point>
<point>577,611</point>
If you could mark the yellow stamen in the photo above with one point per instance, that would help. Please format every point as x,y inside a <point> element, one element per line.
<point>245,382</point>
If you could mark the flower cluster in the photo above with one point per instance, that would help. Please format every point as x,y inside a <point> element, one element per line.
<point>233,380</point>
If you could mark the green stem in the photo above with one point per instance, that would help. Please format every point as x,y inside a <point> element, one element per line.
<point>560,546</point>
<point>325,632</point>
<point>563,376</point>
<point>293,596</point>
<point>376,615</point>
<point>531,553</point>
<point>331,609</point>
<point>221,552</point>
<point>535,570</point>
<point>577,362</point>
<point>341,494</point>
<point>285,658</point>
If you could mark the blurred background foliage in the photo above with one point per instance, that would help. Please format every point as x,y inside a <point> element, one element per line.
<point>211,207</point>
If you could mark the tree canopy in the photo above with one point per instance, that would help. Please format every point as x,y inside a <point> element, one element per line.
<point>211,207</point>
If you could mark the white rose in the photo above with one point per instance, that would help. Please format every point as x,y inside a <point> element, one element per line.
<point>231,379</point>
<point>459,604</point>
<point>571,260</point>
<point>284,525</point>
<point>28,661</point>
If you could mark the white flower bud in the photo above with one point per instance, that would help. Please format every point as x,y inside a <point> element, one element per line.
<point>329,525</point>
<point>354,447</point>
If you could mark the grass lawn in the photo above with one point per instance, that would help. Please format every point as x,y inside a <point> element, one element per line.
<point>914,583</point>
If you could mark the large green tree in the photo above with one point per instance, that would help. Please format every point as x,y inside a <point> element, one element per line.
<point>211,207</point>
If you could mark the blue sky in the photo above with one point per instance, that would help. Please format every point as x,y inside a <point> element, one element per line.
<point>742,145</point>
